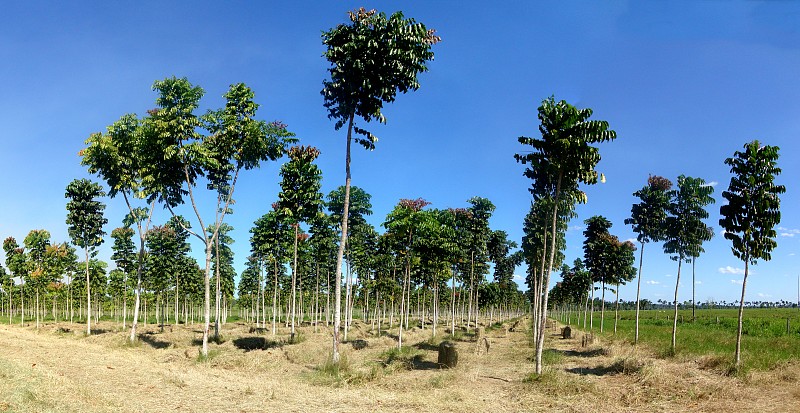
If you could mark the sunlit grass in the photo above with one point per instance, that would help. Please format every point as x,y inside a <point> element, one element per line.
<point>765,341</point>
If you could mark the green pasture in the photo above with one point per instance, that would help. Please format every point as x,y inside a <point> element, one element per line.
<point>770,336</point>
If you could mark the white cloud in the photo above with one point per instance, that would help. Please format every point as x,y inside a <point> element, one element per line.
<point>652,282</point>
<point>791,254</point>
<point>736,282</point>
<point>632,240</point>
<point>787,234</point>
<point>698,282</point>
<point>730,270</point>
<point>519,278</point>
<point>668,275</point>
<point>762,295</point>
<point>712,183</point>
<point>576,228</point>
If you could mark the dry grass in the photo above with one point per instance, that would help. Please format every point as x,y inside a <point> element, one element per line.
<point>58,369</point>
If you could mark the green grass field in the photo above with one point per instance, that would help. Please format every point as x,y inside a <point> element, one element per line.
<point>765,340</point>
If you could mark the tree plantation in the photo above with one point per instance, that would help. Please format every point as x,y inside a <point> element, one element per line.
<point>344,304</point>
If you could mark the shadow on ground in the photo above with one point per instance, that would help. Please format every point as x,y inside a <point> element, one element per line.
<point>153,342</point>
<point>255,343</point>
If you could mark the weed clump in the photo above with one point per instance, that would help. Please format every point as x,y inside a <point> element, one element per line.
<point>342,373</point>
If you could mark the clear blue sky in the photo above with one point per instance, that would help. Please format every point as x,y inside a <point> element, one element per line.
<point>684,84</point>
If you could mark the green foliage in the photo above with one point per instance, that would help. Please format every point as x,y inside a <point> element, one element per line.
<point>685,229</point>
<point>564,157</point>
<point>372,59</point>
<point>85,213</point>
<point>753,208</point>
<point>300,199</point>
<point>649,217</point>
<point>359,207</point>
<point>123,249</point>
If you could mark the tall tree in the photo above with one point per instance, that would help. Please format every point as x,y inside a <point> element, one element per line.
<point>561,160</point>
<point>686,215</point>
<point>118,157</point>
<point>752,211</point>
<point>178,154</point>
<point>85,225</point>
<point>300,200</point>
<point>372,59</point>
<point>648,219</point>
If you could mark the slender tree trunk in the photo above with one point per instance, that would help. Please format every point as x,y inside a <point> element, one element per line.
<point>345,215</point>
<point>453,305</point>
<point>738,355</point>
<point>294,278</point>
<point>88,296</point>
<point>206,300</point>
<point>275,299</point>
<point>693,288</point>
<point>616,310</point>
<point>603,305</point>
<point>675,318</point>
<point>638,290</point>
<point>139,266</point>
<point>591,312</point>
<point>546,278</point>
<point>217,292</point>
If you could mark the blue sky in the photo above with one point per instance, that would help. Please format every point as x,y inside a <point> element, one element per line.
<point>684,84</point>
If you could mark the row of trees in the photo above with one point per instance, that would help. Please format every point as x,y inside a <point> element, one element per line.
<point>563,158</point>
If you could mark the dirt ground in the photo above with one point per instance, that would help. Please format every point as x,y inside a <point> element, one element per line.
<point>57,369</point>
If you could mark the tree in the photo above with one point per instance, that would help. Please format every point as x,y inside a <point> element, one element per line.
<point>271,235</point>
<point>561,160</point>
<point>648,219</point>
<point>752,211</point>
<point>36,243</point>
<point>85,221</point>
<point>124,256</point>
<point>371,60</point>
<point>16,263</point>
<point>119,158</point>
<point>178,154</point>
<point>300,199</point>
<point>401,225</point>
<point>686,215</point>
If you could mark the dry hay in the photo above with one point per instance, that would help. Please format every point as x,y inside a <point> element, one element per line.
<point>58,369</point>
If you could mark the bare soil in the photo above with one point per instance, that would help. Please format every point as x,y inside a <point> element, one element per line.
<point>58,369</point>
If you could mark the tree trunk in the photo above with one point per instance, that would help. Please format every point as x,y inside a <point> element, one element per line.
<point>546,278</point>
<point>275,299</point>
<point>206,300</point>
<point>603,305</point>
<point>217,292</point>
<point>675,318</point>
<point>638,290</point>
<point>738,355</point>
<point>294,278</point>
<point>88,296</point>
<point>616,310</point>
<point>693,285</point>
<point>345,215</point>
